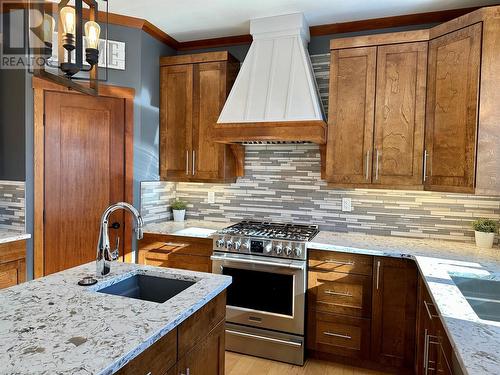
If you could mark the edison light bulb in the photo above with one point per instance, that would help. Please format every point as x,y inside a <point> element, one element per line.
<point>68,20</point>
<point>48,28</point>
<point>92,31</point>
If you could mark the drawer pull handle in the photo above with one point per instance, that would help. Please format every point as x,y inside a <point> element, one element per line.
<point>337,335</point>
<point>333,293</point>
<point>426,304</point>
<point>340,263</point>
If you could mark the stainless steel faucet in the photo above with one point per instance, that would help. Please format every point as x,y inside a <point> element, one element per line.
<point>104,254</point>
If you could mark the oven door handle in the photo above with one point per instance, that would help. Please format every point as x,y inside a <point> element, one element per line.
<point>263,338</point>
<point>253,261</point>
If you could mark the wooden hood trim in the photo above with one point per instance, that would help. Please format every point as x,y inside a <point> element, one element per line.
<point>286,131</point>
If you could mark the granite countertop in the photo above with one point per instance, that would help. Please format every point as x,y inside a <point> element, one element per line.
<point>9,236</point>
<point>53,326</point>
<point>188,228</point>
<point>474,340</point>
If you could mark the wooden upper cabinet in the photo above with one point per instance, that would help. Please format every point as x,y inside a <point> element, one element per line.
<point>377,112</point>
<point>452,110</point>
<point>176,109</point>
<point>400,114</point>
<point>350,118</point>
<point>193,91</point>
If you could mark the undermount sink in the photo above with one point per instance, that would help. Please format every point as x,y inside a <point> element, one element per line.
<point>483,296</point>
<point>147,288</point>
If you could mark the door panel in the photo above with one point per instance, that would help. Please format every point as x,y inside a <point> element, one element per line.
<point>84,174</point>
<point>394,312</point>
<point>351,116</point>
<point>209,98</point>
<point>452,105</point>
<point>176,117</point>
<point>400,114</point>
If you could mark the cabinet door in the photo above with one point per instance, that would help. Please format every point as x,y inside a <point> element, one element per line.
<point>400,114</point>
<point>207,357</point>
<point>350,119</point>
<point>176,116</point>
<point>12,273</point>
<point>208,157</point>
<point>394,312</point>
<point>452,107</point>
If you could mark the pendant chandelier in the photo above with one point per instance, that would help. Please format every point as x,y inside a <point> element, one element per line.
<point>77,28</point>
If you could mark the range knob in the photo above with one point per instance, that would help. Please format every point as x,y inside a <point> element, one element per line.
<point>220,242</point>
<point>288,250</point>
<point>297,251</point>
<point>278,249</point>
<point>229,244</point>
<point>246,245</point>
<point>237,245</point>
<point>268,247</point>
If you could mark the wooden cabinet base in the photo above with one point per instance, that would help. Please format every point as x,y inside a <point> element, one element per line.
<point>196,347</point>
<point>12,263</point>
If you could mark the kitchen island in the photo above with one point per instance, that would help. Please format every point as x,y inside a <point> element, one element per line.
<point>54,326</point>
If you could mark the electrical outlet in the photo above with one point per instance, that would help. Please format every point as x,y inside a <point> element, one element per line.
<point>346,204</point>
<point>211,197</point>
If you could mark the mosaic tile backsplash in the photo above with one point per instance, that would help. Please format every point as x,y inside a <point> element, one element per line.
<point>282,183</point>
<point>12,206</point>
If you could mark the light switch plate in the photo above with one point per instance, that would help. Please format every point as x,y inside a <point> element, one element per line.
<point>211,197</point>
<point>346,204</point>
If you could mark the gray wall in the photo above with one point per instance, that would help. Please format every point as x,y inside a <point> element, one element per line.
<point>12,119</point>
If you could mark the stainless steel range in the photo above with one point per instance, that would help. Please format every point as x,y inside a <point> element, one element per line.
<point>265,310</point>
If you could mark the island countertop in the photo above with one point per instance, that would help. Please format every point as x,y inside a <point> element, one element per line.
<point>54,326</point>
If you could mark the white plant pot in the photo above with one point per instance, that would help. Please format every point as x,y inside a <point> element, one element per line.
<point>484,240</point>
<point>179,215</point>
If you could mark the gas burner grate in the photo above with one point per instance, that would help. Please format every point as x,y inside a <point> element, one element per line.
<point>291,232</point>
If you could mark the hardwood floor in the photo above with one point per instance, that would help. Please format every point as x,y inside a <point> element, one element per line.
<point>239,364</point>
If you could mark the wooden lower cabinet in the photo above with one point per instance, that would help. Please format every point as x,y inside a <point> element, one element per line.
<point>12,263</point>
<point>187,253</point>
<point>394,312</point>
<point>196,347</point>
<point>207,357</point>
<point>434,351</point>
<point>362,310</point>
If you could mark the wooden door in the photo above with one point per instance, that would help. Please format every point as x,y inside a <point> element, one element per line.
<point>351,116</point>
<point>207,357</point>
<point>176,119</point>
<point>452,109</point>
<point>84,174</point>
<point>400,114</point>
<point>394,312</point>
<point>209,96</point>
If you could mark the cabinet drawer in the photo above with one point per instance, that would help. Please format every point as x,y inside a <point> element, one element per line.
<point>327,261</point>
<point>340,335</point>
<point>340,293</point>
<point>156,360</point>
<point>201,323</point>
<point>12,273</point>
<point>190,262</point>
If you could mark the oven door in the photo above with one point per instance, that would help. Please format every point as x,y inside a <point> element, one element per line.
<point>267,293</point>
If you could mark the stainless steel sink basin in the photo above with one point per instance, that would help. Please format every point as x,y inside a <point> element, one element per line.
<point>147,288</point>
<point>483,296</point>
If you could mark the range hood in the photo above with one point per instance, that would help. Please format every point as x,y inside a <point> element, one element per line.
<point>274,97</point>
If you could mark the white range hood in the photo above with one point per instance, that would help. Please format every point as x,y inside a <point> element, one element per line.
<point>275,87</point>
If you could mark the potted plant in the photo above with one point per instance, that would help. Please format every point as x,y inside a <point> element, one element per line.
<point>484,231</point>
<point>179,209</point>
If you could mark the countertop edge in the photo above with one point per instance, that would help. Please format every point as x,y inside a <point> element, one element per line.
<point>6,237</point>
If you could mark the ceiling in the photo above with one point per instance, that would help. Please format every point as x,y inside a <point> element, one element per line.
<point>187,20</point>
